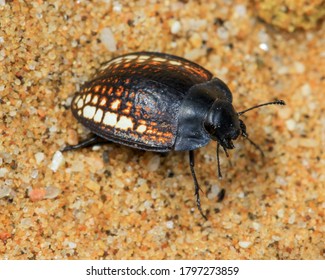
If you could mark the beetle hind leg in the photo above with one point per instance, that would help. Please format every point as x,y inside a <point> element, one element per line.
<point>196,184</point>
<point>92,141</point>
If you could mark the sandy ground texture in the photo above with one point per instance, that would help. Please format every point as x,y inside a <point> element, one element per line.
<point>114,202</point>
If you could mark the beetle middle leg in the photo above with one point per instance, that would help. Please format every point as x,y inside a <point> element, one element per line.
<point>92,141</point>
<point>196,184</point>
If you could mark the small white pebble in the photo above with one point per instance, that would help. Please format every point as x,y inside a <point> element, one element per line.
<point>282,70</point>
<point>147,204</point>
<point>5,191</point>
<point>244,244</point>
<point>68,101</point>
<point>299,67</point>
<point>281,181</point>
<point>302,224</point>
<point>240,10</point>
<point>214,192</point>
<point>194,54</point>
<point>51,192</point>
<point>280,213</point>
<point>263,36</point>
<point>26,222</point>
<point>154,163</point>
<point>72,245</point>
<point>141,181</point>
<point>117,7</point>
<point>74,43</point>
<point>17,82</point>
<point>1,39</point>
<point>12,113</point>
<point>3,172</point>
<point>256,226</point>
<point>96,147</point>
<point>292,218</point>
<point>241,195</point>
<point>170,224</point>
<point>77,166</point>
<point>9,182</point>
<point>39,157</point>
<point>305,163</point>
<point>264,47</point>
<point>223,33</point>
<point>306,90</point>
<point>34,174</point>
<point>176,27</point>
<point>57,161</point>
<point>108,40</point>
<point>291,124</point>
<point>2,2</point>
<point>155,195</point>
<point>276,238</point>
<point>53,128</point>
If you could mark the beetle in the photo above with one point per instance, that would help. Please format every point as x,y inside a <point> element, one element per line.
<point>159,102</point>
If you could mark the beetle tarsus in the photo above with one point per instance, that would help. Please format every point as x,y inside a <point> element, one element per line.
<point>196,185</point>
<point>92,141</point>
<point>221,195</point>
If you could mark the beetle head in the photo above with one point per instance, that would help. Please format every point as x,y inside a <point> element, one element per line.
<point>223,124</point>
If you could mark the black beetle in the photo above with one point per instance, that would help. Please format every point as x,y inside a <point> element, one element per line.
<point>159,102</point>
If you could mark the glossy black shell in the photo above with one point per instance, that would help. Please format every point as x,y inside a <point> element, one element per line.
<point>151,101</point>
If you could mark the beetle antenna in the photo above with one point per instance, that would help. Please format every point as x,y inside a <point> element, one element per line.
<point>255,145</point>
<point>277,102</point>
<point>225,150</point>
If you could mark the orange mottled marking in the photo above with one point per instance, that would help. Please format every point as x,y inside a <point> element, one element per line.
<point>110,91</point>
<point>97,88</point>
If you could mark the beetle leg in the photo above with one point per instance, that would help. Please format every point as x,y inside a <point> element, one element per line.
<point>196,184</point>
<point>92,141</point>
<point>221,195</point>
<point>218,160</point>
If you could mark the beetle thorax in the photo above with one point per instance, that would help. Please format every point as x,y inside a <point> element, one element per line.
<point>222,123</point>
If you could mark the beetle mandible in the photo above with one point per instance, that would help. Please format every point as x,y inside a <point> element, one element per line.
<point>159,102</point>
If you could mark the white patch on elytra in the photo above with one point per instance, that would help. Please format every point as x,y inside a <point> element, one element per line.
<point>174,62</point>
<point>142,58</point>
<point>141,128</point>
<point>98,116</point>
<point>124,123</point>
<point>128,58</point>
<point>95,100</point>
<point>110,119</point>
<point>103,102</point>
<point>160,59</point>
<point>88,98</point>
<point>89,112</point>
<point>115,104</point>
<point>80,103</point>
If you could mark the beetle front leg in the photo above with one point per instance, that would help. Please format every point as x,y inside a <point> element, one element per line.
<point>196,184</point>
<point>92,141</point>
